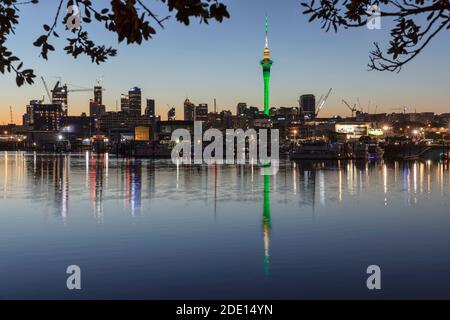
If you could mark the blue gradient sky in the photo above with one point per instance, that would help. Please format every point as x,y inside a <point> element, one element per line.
<point>221,61</point>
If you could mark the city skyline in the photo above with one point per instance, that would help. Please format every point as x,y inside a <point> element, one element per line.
<point>303,65</point>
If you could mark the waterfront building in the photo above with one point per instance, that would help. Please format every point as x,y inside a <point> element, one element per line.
<point>307,107</point>
<point>47,117</point>
<point>122,120</point>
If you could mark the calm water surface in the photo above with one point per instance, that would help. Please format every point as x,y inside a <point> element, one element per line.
<point>146,229</point>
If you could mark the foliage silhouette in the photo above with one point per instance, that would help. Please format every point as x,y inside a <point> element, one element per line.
<point>410,35</point>
<point>131,20</point>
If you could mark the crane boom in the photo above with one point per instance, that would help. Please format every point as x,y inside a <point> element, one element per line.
<point>353,110</point>
<point>348,106</point>
<point>322,103</point>
<point>46,89</point>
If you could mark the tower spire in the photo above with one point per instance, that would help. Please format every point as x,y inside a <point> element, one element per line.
<point>266,64</point>
<point>266,48</point>
<point>267,31</point>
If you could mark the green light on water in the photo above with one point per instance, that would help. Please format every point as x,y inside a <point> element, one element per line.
<point>266,222</point>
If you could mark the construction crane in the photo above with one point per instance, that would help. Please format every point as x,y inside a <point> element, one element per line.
<point>322,102</point>
<point>46,89</point>
<point>353,110</point>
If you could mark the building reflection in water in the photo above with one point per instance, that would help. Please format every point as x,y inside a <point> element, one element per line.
<point>5,175</point>
<point>97,166</point>
<point>50,179</point>
<point>132,177</point>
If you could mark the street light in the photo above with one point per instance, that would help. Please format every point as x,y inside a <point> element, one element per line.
<point>60,137</point>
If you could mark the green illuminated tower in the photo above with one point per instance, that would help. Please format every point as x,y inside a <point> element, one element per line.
<point>266,64</point>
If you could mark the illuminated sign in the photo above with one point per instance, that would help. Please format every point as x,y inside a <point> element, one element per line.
<point>142,134</point>
<point>376,132</point>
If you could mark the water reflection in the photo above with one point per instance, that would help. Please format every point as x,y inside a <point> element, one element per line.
<point>205,216</point>
<point>309,184</point>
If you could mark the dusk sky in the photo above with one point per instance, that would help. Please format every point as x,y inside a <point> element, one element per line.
<point>221,61</point>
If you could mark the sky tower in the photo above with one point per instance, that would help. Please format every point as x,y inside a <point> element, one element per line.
<point>266,64</point>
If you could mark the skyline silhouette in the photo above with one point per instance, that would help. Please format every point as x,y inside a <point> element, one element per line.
<point>221,61</point>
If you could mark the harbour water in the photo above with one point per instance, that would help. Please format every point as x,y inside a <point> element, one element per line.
<point>148,229</point>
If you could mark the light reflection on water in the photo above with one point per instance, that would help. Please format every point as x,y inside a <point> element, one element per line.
<point>157,230</point>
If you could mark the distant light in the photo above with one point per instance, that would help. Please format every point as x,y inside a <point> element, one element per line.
<point>5,132</point>
<point>415,132</point>
<point>60,137</point>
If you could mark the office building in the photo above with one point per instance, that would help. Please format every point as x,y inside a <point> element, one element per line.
<point>307,106</point>
<point>98,94</point>
<point>125,104</point>
<point>189,110</point>
<point>201,112</point>
<point>59,96</point>
<point>96,109</point>
<point>47,117</point>
<point>135,101</point>
<point>150,108</point>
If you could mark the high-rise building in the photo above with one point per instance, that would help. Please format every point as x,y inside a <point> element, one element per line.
<point>150,108</point>
<point>28,119</point>
<point>307,106</point>
<point>201,112</point>
<point>241,108</point>
<point>96,109</point>
<point>266,64</point>
<point>189,110</point>
<point>135,101</point>
<point>47,117</point>
<point>125,104</point>
<point>98,94</point>
<point>59,96</point>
